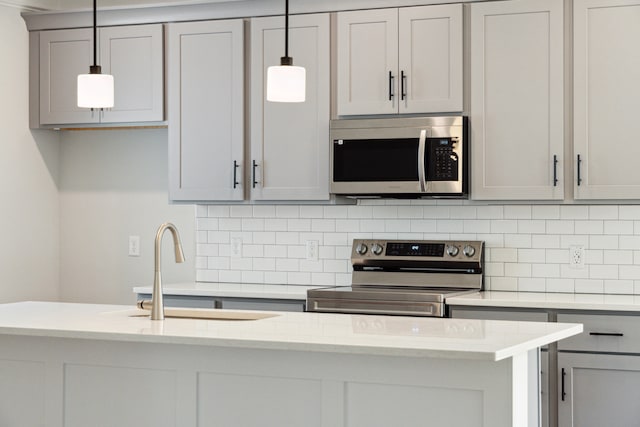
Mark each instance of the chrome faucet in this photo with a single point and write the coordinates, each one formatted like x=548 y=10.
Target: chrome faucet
x=157 y=303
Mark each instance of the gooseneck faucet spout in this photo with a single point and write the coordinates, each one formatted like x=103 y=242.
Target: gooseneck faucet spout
x=157 y=303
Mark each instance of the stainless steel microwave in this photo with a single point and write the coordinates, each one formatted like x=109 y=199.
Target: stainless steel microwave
x=400 y=157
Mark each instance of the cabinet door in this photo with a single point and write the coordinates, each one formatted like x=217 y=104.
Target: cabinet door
x=290 y=141
x=606 y=99
x=430 y=59
x=517 y=100
x=367 y=56
x=599 y=390
x=205 y=98
x=63 y=55
x=134 y=56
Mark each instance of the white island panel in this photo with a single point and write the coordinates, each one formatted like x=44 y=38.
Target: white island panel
x=95 y=365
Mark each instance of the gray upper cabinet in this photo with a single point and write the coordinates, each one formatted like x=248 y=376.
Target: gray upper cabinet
x=206 y=110
x=132 y=54
x=606 y=99
x=517 y=102
x=290 y=141
x=406 y=60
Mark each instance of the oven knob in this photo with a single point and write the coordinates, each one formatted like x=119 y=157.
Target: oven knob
x=376 y=249
x=452 y=250
x=469 y=251
x=361 y=249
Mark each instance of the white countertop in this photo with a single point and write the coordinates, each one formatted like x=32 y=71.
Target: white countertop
x=322 y=332
x=231 y=290
x=549 y=301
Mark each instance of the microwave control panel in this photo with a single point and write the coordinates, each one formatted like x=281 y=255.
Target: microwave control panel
x=442 y=159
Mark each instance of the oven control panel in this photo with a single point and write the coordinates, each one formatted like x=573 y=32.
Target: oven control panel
x=443 y=250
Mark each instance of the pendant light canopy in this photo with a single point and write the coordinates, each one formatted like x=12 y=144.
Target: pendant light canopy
x=286 y=82
x=95 y=90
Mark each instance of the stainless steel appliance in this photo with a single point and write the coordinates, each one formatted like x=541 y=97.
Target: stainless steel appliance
x=402 y=277
x=400 y=157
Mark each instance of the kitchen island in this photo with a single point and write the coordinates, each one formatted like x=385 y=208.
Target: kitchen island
x=103 y=365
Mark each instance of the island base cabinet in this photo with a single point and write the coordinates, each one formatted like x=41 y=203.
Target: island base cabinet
x=85 y=382
x=598 y=390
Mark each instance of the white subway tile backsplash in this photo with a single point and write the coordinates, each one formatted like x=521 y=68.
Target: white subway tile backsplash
x=629 y=212
x=218 y=211
x=527 y=246
x=502 y=254
x=422 y=226
x=449 y=226
x=476 y=226
x=618 y=286
x=545 y=270
x=603 y=242
x=490 y=212
x=504 y=284
x=545 y=212
x=603 y=212
x=518 y=212
x=618 y=257
x=545 y=241
x=589 y=286
x=517 y=270
x=264 y=211
x=574 y=212
x=531 y=255
x=630 y=242
x=504 y=226
x=532 y=226
x=230 y=224
x=589 y=227
x=531 y=284
x=311 y=212
x=515 y=240
x=603 y=271
x=618 y=227
x=560 y=285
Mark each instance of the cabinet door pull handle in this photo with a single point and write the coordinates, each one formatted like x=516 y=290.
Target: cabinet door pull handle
x=235 y=173
x=253 y=173
x=606 y=334
x=555 y=170
x=391 y=94
x=563 y=393
x=403 y=85
x=579 y=162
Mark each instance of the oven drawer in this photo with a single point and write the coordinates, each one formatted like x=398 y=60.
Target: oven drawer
x=359 y=306
x=603 y=333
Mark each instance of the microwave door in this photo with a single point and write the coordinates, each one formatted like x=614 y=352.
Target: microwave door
x=376 y=165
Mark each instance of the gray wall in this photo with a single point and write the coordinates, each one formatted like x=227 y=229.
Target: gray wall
x=28 y=178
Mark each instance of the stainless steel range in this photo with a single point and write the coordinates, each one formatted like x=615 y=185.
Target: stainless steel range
x=403 y=277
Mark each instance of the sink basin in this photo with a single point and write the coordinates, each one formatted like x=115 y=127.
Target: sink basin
x=207 y=314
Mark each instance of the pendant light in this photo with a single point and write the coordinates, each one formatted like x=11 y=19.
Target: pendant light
x=95 y=90
x=286 y=83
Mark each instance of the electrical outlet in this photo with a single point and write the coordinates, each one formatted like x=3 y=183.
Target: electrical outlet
x=236 y=247
x=576 y=256
x=312 y=250
x=134 y=245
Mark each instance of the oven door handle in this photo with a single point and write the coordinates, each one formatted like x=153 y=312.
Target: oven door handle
x=422 y=159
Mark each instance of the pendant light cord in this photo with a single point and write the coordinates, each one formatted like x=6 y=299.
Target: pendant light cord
x=286 y=28
x=95 y=34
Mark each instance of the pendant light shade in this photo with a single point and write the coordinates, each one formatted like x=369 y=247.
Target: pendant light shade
x=286 y=83
x=95 y=90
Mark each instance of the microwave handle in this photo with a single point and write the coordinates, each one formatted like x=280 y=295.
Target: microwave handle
x=422 y=160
